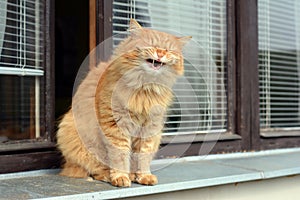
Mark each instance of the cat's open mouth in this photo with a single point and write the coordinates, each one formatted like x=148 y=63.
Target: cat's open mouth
x=155 y=64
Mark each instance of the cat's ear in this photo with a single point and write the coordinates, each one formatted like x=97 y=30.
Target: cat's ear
x=183 y=40
x=134 y=25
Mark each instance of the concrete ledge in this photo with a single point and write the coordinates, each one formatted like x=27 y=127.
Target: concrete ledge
x=174 y=175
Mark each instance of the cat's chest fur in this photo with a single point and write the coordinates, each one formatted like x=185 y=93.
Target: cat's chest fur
x=149 y=99
x=147 y=107
x=139 y=92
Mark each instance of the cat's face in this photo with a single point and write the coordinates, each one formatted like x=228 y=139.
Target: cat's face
x=158 y=59
x=153 y=51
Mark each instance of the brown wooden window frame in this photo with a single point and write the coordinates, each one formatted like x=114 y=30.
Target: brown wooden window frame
x=243 y=92
x=243 y=84
x=22 y=155
x=248 y=121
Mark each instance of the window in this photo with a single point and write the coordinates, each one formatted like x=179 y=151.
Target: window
x=240 y=91
x=247 y=87
x=279 y=65
x=26 y=86
x=200 y=105
x=21 y=69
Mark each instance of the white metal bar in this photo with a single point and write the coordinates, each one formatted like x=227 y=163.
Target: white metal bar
x=20 y=71
x=220 y=130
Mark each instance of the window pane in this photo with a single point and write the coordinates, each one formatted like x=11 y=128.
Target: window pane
x=202 y=107
x=21 y=69
x=18 y=108
x=279 y=62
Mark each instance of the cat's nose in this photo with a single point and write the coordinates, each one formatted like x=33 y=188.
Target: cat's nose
x=160 y=54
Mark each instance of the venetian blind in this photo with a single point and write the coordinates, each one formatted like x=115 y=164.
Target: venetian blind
x=21 y=52
x=200 y=105
x=21 y=69
x=279 y=63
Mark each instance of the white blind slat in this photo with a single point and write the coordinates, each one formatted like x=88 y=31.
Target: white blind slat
x=20 y=71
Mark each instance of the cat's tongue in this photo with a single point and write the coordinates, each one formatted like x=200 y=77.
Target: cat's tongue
x=156 y=66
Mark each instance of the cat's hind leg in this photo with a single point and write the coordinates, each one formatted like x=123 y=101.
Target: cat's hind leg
x=96 y=170
x=73 y=170
x=99 y=171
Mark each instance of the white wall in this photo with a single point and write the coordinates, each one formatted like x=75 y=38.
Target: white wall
x=286 y=188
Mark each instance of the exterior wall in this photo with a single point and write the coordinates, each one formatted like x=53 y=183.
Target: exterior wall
x=287 y=188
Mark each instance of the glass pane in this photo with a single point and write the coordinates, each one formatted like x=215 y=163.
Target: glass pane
x=21 y=69
x=21 y=37
x=21 y=111
x=279 y=62
x=201 y=108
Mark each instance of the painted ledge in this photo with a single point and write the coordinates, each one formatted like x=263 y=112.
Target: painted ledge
x=174 y=175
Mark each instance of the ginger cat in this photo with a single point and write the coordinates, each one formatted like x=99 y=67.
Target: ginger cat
x=131 y=94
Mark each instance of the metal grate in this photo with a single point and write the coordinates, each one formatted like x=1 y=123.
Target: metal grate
x=279 y=63
x=201 y=103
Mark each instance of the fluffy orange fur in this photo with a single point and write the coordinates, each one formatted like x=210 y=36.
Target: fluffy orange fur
x=132 y=93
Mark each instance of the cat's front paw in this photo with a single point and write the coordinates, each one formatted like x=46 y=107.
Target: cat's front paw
x=146 y=179
x=121 y=181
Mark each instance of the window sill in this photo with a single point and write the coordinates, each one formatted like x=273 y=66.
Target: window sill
x=174 y=175
x=194 y=137
x=25 y=145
